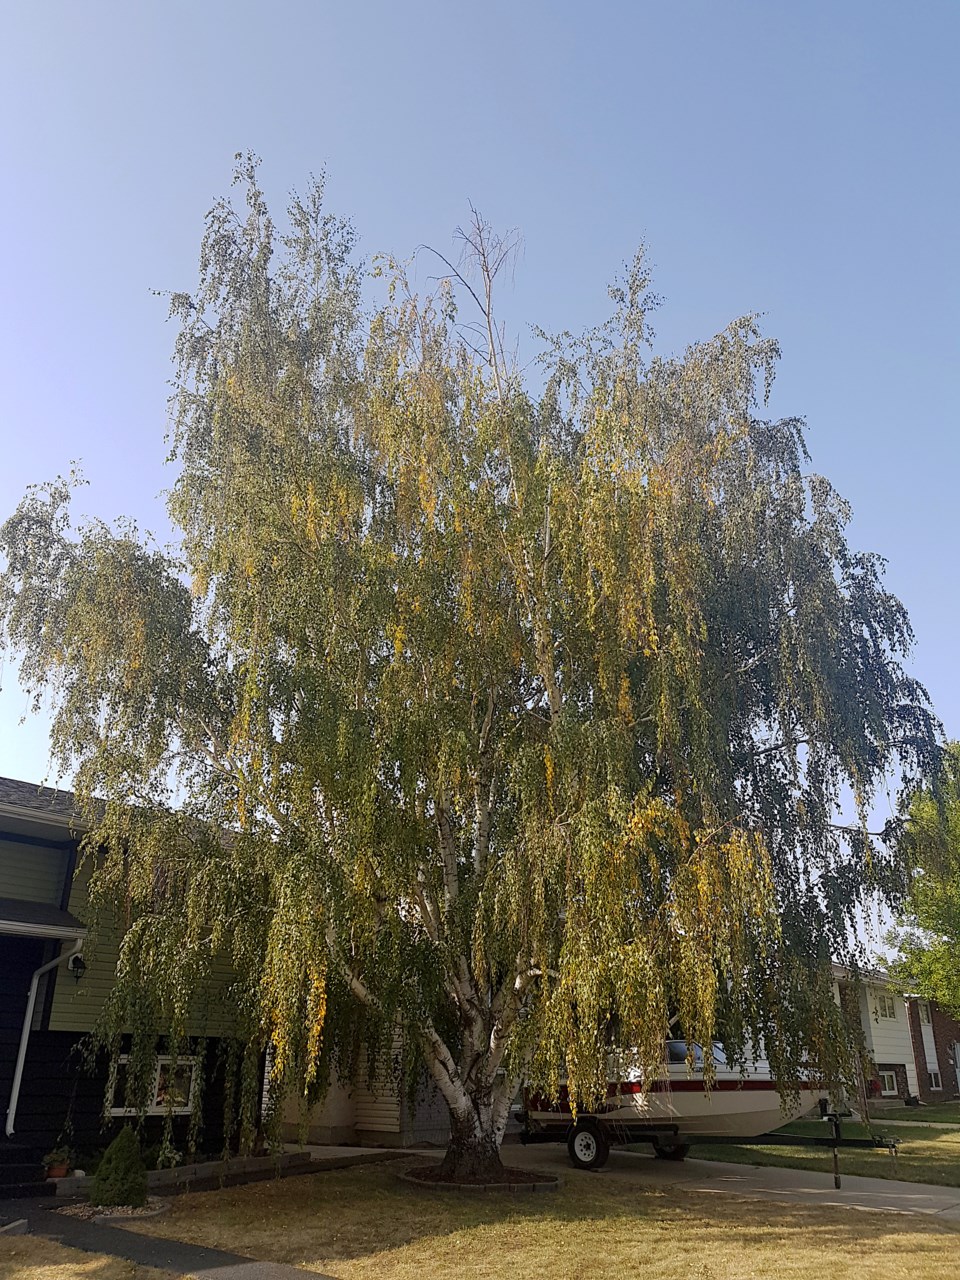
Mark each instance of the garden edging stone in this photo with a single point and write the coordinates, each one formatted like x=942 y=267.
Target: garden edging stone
x=210 y=1171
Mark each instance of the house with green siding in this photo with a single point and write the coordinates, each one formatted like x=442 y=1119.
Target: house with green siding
x=53 y=985
x=54 y=980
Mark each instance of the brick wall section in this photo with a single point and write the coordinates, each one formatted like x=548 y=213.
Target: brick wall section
x=946 y=1033
x=903 y=1088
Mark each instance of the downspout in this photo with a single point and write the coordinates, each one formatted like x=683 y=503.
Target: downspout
x=25 y=1033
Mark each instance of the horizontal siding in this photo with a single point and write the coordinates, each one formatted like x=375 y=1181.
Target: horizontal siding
x=377 y=1108
x=58 y=1092
x=76 y=1006
x=31 y=873
x=889 y=1039
x=373 y=1121
x=211 y=1016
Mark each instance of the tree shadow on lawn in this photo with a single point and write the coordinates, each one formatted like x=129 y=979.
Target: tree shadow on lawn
x=365 y=1213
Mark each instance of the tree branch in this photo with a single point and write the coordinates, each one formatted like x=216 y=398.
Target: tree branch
x=448 y=852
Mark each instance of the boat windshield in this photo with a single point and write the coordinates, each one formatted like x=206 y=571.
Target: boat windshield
x=677 y=1051
x=677 y=1054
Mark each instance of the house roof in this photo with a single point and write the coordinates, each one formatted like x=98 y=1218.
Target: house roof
x=50 y=803
x=874 y=977
x=37 y=920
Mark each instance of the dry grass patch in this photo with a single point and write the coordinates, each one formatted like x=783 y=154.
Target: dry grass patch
x=365 y=1224
x=33 y=1258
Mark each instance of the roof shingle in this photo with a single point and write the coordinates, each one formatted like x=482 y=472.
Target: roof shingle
x=38 y=799
x=41 y=914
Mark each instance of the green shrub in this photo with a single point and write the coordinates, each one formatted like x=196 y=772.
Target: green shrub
x=121 y=1177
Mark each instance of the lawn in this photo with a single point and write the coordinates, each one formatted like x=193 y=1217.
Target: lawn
x=925 y=1155
x=33 y=1258
x=365 y=1224
x=945 y=1112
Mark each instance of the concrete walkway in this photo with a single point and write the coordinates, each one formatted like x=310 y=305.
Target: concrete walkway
x=149 y=1251
x=799 y=1186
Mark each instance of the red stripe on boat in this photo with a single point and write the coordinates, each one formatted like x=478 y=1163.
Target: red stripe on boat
x=538 y=1103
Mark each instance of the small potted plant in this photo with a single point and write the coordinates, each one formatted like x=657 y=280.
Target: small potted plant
x=58 y=1162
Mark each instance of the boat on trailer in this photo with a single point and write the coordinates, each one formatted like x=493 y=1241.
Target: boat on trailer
x=669 y=1111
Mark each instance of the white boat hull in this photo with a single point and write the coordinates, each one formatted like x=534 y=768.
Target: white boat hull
x=733 y=1107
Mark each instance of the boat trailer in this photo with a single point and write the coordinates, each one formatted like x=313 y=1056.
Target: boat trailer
x=589 y=1140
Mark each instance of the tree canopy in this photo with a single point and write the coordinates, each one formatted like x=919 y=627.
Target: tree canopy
x=928 y=937
x=511 y=708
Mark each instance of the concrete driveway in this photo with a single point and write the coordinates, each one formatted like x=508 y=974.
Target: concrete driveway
x=792 y=1186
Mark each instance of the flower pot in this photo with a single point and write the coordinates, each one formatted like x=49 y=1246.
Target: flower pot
x=58 y=1170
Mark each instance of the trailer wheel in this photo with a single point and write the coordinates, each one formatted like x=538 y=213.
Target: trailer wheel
x=673 y=1151
x=587 y=1145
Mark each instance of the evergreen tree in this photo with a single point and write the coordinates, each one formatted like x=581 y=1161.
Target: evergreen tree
x=121 y=1178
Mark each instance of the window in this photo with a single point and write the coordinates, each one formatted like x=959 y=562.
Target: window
x=677 y=1054
x=923 y=1009
x=172 y=1089
x=886 y=1005
x=719 y=1054
x=935 y=1081
x=888 y=1084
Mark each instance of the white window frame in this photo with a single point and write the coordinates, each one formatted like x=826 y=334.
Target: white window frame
x=935 y=1076
x=888 y=1077
x=923 y=1009
x=886 y=1006
x=160 y=1108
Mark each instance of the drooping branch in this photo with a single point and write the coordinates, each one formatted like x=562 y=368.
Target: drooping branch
x=484 y=788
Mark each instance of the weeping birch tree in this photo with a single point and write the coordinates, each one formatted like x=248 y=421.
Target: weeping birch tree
x=512 y=710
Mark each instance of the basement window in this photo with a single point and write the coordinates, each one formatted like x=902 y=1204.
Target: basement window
x=172 y=1089
x=888 y=1084
x=935 y=1081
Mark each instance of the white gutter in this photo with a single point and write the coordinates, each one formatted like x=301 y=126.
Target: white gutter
x=25 y=1033
x=41 y=815
x=23 y=929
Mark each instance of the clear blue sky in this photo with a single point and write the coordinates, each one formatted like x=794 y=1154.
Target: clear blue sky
x=794 y=159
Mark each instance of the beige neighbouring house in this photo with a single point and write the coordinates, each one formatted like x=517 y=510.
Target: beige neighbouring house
x=381 y=1116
